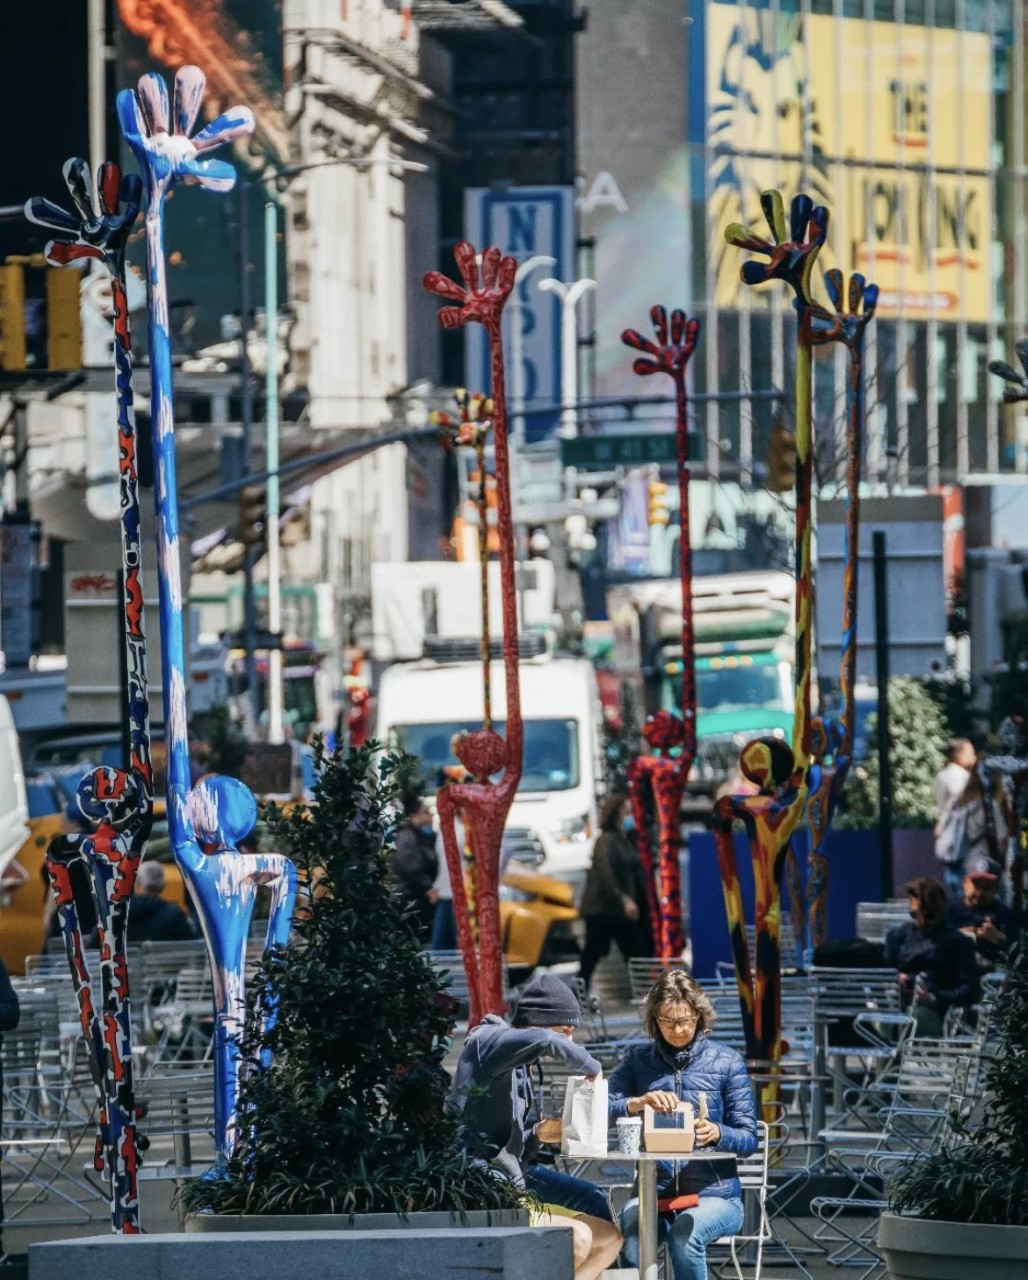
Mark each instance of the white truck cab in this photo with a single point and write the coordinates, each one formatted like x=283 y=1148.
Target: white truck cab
x=552 y=823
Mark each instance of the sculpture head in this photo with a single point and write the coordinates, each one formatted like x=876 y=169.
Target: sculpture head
x=110 y=797
x=481 y=751
x=222 y=811
x=664 y=730
x=767 y=763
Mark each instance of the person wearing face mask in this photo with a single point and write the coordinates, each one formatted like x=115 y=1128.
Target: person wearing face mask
x=936 y=963
x=610 y=903
x=698 y=1202
x=414 y=863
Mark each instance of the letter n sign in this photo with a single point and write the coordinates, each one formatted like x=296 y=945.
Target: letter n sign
x=525 y=222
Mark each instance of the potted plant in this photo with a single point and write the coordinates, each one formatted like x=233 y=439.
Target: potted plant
x=342 y=1103
x=963 y=1210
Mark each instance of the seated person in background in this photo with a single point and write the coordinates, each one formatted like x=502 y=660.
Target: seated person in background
x=151 y=918
x=980 y=915
x=492 y=1091
x=936 y=963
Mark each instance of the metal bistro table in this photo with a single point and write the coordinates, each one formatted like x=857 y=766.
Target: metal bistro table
x=647 y=1168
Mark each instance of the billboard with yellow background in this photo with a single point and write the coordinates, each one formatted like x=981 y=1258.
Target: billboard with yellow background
x=888 y=125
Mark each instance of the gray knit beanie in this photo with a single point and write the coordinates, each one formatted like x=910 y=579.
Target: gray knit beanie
x=547 y=1001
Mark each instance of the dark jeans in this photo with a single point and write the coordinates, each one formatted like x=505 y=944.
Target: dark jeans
x=567 y=1191
x=600 y=932
x=444 y=927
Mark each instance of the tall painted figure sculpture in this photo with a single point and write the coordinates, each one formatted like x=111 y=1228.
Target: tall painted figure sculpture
x=205 y=823
x=480 y=299
x=664 y=775
x=832 y=740
x=471 y=430
x=118 y=803
x=779 y=772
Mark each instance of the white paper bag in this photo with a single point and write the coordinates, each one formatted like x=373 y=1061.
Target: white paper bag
x=585 y=1117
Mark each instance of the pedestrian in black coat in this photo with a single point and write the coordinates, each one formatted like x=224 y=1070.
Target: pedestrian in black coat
x=414 y=863
x=610 y=902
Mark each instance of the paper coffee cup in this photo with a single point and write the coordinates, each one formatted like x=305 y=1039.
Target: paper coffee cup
x=629 y=1135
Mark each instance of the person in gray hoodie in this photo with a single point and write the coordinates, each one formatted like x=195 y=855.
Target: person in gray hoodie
x=492 y=1091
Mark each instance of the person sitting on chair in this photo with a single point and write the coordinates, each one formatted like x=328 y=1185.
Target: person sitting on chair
x=699 y=1203
x=492 y=1091
x=936 y=963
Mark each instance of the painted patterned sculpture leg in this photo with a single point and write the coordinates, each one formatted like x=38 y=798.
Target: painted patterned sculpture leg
x=221 y=881
x=638 y=788
x=122 y=803
x=485 y=806
x=854 y=311
x=792 y=877
x=466 y=938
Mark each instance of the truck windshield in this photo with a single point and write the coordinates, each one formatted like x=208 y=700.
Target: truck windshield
x=731 y=688
x=551 y=750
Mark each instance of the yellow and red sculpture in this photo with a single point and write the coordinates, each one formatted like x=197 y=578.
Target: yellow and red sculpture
x=779 y=771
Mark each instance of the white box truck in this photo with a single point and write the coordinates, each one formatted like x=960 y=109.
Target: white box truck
x=552 y=823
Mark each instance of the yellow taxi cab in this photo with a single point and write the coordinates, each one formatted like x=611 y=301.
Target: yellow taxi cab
x=24 y=898
x=537 y=914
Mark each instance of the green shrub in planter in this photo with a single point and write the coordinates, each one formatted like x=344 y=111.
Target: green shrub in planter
x=349 y=1116
x=983 y=1176
x=918 y=734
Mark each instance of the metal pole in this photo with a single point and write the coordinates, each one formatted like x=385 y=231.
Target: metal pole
x=275 y=732
x=881 y=580
x=569 y=365
x=97 y=76
x=249 y=601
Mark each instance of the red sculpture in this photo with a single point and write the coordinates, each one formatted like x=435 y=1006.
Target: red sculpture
x=484 y=804
x=663 y=774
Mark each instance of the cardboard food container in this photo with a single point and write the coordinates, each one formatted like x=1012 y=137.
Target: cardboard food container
x=677 y=1140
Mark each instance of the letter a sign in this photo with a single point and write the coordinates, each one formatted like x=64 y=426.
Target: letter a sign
x=525 y=222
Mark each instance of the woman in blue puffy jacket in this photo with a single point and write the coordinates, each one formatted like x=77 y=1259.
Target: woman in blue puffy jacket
x=681 y=1063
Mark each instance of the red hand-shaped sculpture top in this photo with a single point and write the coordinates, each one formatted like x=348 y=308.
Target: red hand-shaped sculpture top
x=483 y=803
x=666 y=776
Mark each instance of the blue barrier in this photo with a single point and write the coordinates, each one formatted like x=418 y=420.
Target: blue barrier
x=854 y=872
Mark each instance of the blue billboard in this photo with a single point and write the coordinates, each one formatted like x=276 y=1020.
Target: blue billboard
x=526 y=222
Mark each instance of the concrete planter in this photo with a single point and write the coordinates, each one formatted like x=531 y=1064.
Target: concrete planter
x=919 y=1249
x=473 y=1220
x=413 y=1252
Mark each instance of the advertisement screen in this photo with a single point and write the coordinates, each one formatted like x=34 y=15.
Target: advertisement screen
x=888 y=125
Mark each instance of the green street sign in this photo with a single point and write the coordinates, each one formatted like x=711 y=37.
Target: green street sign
x=600 y=453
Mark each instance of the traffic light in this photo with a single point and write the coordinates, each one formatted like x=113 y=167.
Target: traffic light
x=781 y=460
x=63 y=319
x=657 y=508
x=12 y=316
x=53 y=301
x=252 y=515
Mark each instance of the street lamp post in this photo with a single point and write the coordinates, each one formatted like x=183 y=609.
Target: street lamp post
x=275 y=728
x=570 y=295
x=516 y=307
x=281 y=179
